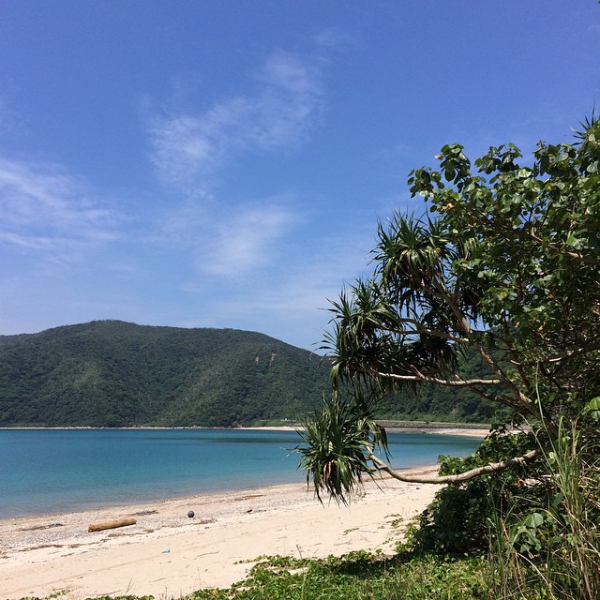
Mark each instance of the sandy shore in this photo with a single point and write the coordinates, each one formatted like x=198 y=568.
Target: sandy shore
x=166 y=554
x=475 y=431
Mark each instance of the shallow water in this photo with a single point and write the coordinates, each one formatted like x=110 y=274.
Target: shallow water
x=51 y=471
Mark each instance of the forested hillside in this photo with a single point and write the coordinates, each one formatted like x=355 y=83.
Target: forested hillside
x=115 y=374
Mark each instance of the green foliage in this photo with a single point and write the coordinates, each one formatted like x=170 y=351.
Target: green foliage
x=495 y=292
x=592 y=408
x=115 y=374
x=532 y=261
x=540 y=535
x=457 y=521
x=357 y=576
x=443 y=404
x=338 y=442
x=128 y=597
x=554 y=545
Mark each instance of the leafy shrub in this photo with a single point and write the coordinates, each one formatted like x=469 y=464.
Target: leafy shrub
x=457 y=521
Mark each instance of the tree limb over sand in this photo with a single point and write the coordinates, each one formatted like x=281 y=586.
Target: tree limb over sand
x=460 y=477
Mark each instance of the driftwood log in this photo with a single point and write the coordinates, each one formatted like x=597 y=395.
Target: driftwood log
x=112 y=524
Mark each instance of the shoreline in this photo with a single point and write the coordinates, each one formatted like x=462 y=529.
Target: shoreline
x=102 y=503
x=477 y=431
x=167 y=554
x=413 y=427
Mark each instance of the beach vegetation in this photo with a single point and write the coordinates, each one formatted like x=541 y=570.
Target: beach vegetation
x=503 y=268
x=357 y=576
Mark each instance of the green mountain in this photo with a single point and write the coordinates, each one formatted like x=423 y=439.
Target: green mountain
x=115 y=374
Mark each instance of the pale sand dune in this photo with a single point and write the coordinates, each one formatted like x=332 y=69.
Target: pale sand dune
x=166 y=554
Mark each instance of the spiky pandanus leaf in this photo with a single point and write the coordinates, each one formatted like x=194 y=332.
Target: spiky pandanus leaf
x=338 y=442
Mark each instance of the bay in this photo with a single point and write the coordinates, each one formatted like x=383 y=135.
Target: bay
x=51 y=471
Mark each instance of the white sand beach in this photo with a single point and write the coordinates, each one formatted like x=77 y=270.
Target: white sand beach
x=166 y=554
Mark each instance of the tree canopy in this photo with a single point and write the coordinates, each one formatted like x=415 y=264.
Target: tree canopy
x=115 y=374
x=505 y=263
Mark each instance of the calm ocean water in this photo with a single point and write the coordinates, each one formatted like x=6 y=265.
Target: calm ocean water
x=53 y=471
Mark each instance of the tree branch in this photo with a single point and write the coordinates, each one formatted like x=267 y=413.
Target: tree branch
x=565 y=355
x=419 y=377
x=560 y=250
x=459 y=478
x=523 y=401
x=420 y=329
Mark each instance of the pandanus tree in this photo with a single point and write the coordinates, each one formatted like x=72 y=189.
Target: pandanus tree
x=505 y=264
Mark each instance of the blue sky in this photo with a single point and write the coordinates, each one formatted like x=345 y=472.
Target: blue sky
x=206 y=163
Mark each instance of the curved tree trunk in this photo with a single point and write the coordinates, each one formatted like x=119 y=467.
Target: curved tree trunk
x=459 y=478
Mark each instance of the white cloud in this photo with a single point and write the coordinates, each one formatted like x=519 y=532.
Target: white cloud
x=293 y=294
x=249 y=248
x=246 y=240
x=42 y=208
x=189 y=149
x=288 y=103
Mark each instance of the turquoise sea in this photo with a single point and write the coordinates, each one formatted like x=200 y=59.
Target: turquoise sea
x=51 y=471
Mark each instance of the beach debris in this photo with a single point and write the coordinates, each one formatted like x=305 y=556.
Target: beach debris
x=191 y=514
x=166 y=550
x=112 y=524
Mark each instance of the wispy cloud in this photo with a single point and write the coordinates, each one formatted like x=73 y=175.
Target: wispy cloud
x=246 y=241
x=44 y=208
x=191 y=151
x=252 y=248
x=293 y=294
x=188 y=149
